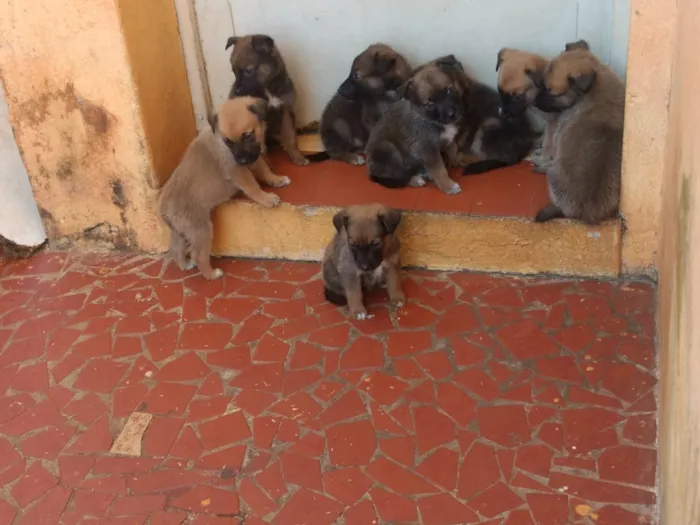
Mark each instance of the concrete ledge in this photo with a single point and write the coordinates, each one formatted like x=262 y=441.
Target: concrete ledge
x=438 y=241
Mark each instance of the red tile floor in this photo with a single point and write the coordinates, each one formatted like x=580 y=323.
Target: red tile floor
x=515 y=191
x=503 y=401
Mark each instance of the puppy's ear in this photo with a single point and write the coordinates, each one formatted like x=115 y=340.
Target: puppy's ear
x=259 y=108
x=340 y=220
x=579 y=44
x=501 y=58
x=383 y=62
x=390 y=220
x=582 y=82
x=213 y=119
x=263 y=44
x=536 y=75
x=232 y=41
x=447 y=61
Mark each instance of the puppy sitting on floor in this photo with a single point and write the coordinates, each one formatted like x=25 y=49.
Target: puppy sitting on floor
x=407 y=144
x=261 y=72
x=363 y=254
x=361 y=100
x=519 y=76
x=589 y=100
x=220 y=162
x=492 y=138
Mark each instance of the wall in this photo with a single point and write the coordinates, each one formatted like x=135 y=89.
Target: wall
x=646 y=122
x=319 y=38
x=19 y=216
x=679 y=280
x=97 y=132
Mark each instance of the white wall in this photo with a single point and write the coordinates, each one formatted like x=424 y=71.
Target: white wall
x=19 y=216
x=319 y=38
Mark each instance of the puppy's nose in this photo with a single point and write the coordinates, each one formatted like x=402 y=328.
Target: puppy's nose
x=451 y=112
x=239 y=92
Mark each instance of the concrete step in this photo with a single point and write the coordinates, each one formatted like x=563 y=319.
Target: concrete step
x=487 y=227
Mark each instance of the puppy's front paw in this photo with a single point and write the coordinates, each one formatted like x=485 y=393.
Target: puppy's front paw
x=417 y=181
x=218 y=273
x=300 y=160
x=453 y=189
x=398 y=301
x=281 y=182
x=358 y=160
x=361 y=315
x=270 y=200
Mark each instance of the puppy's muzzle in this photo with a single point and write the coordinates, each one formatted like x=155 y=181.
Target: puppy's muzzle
x=246 y=155
x=545 y=102
x=512 y=105
x=349 y=89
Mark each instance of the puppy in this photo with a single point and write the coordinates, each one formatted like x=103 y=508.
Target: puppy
x=589 y=100
x=220 y=162
x=261 y=72
x=360 y=101
x=519 y=76
x=364 y=253
x=406 y=145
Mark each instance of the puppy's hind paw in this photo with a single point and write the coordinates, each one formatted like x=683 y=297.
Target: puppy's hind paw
x=417 y=181
x=358 y=160
x=362 y=316
x=217 y=273
x=548 y=213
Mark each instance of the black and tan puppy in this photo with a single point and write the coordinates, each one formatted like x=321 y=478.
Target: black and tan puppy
x=406 y=145
x=519 y=76
x=589 y=100
x=221 y=162
x=361 y=100
x=261 y=72
x=363 y=254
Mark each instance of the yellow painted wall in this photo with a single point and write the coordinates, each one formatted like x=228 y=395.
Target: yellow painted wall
x=649 y=65
x=97 y=132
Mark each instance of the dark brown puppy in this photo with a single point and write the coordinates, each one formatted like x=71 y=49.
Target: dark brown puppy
x=261 y=72
x=519 y=76
x=361 y=100
x=222 y=161
x=363 y=254
x=589 y=101
x=406 y=145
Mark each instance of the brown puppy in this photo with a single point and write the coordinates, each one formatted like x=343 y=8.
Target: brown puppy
x=519 y=76
x=220 y=162
x=589 y=99
x=261 y=72
x=361 y=100
x=406 y=145
x=364 y=253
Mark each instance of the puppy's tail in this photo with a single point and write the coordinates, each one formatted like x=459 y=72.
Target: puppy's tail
x=386 y=166
x=334 y=297
x=483 y=166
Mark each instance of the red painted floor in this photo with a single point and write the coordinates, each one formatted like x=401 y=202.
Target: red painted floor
x=486 y=400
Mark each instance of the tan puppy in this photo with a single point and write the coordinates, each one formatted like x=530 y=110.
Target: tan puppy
x=219 y=163
x=519 y=76
x=589 y=99
x=261 y=72
x=363 y=254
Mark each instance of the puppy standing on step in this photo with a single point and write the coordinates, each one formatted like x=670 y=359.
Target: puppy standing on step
x=360 y=101
x=406 y=145
x=220 y=162
x=519 y=76
x=589 y=99
x=363 y=254
x=261 y=72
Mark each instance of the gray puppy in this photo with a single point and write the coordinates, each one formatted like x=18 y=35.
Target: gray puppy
x=364 y=253
x=406 y=145
x=589 y=99
x=360 y=101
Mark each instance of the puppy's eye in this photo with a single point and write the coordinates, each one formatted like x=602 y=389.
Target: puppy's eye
x=448 y=91
x=249 y=70
x=355 y=74
x=430 y=103
x=228 y=142
x=376 y=244
x=247 y=135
